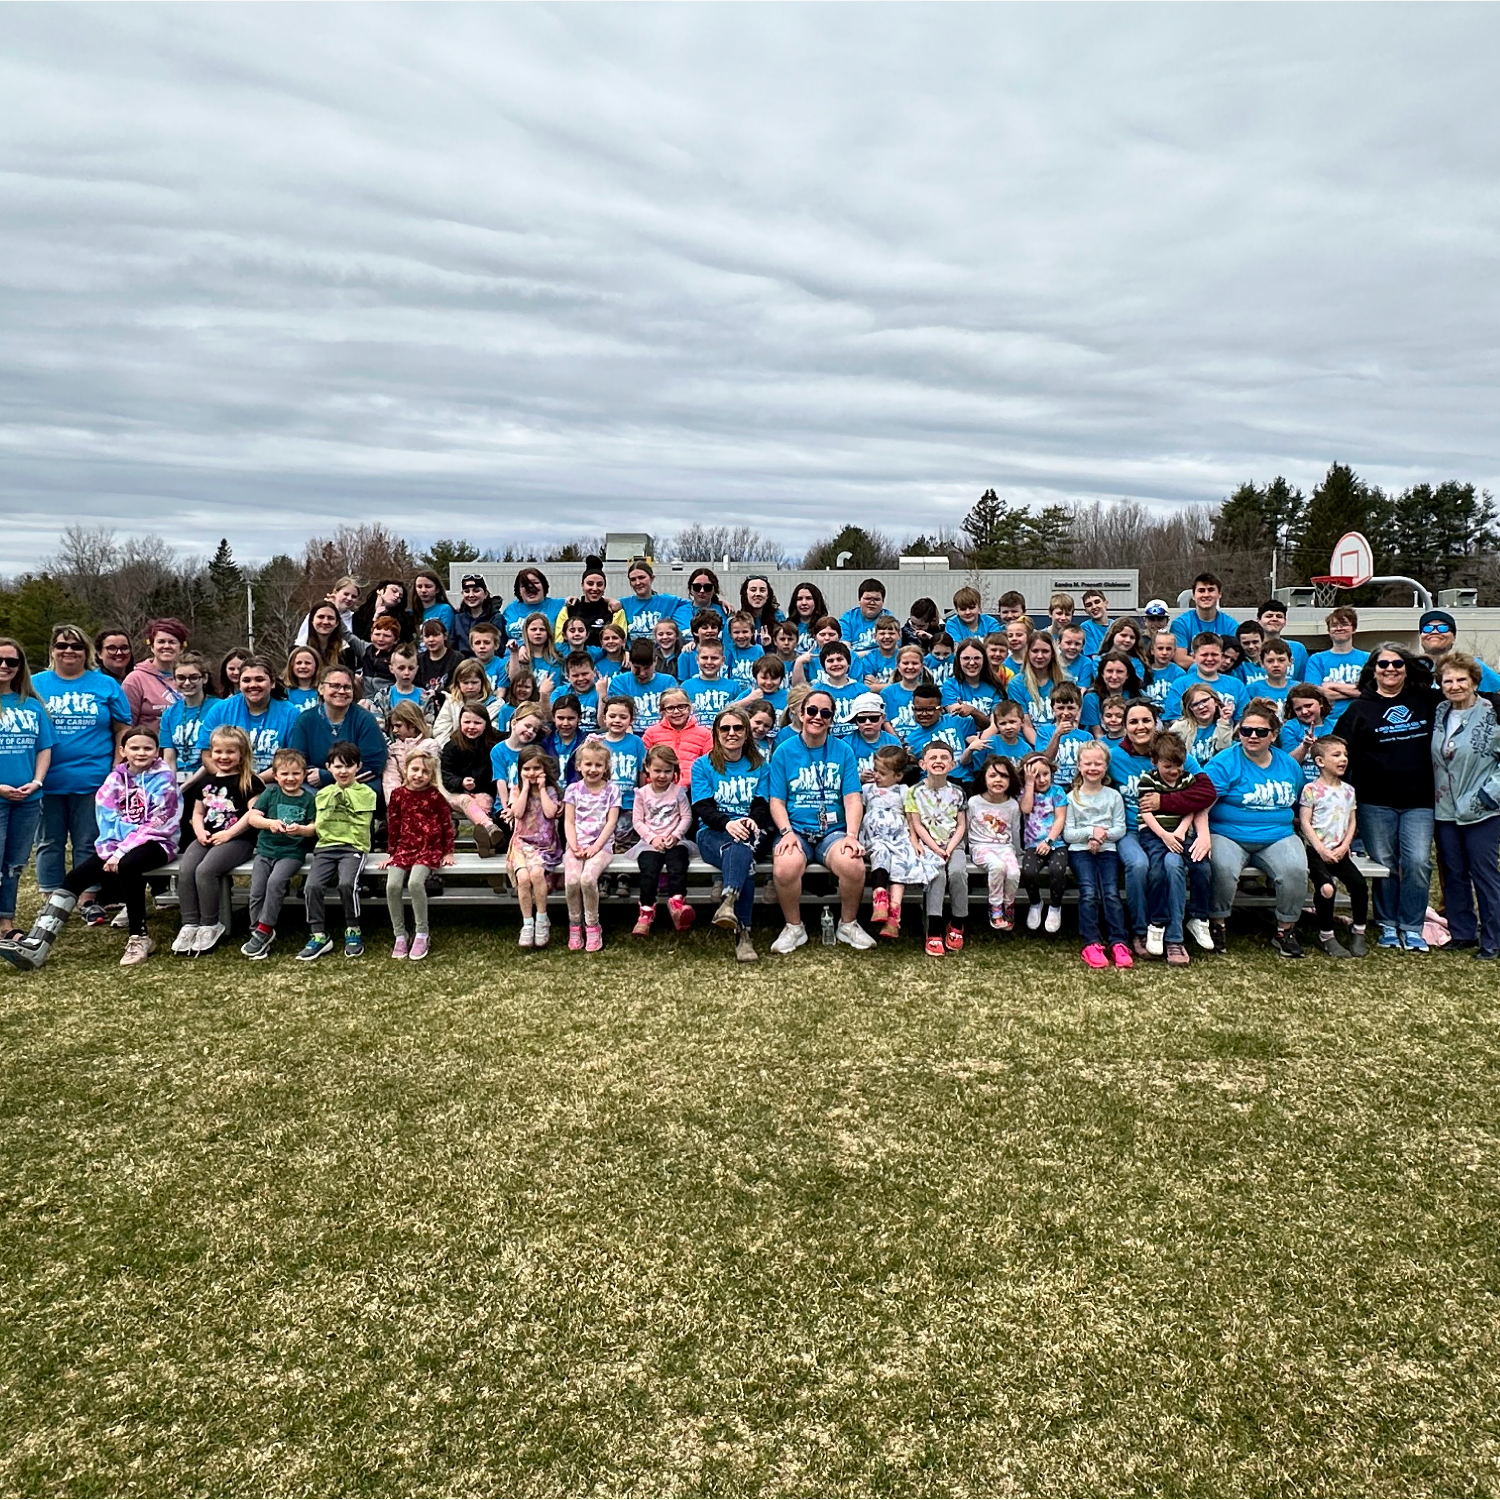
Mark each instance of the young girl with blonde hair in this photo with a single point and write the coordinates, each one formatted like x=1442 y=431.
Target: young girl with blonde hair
x=535 y=852
x=591 y=809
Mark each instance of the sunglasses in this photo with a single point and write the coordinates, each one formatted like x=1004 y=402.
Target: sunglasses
x=1396 y=665
x=731 y=728
x=13 y=662
x=67 y=645
x=1438 y=629
x=701 y=588
x=1251 y=732
x=868 y=718
x=817 y=713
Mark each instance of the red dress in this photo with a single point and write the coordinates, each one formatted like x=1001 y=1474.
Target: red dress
x=419 y=828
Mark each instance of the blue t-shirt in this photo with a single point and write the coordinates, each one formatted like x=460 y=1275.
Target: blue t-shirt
x=897 y=700
x=858 y=630
x=1065 y=767
x=1256 y=806
x=563 y=753
x=1163 y=679
x=625 y=757
x=939 y=668
x=438 y=611
x=953 y=731
x=25 y=730
x=302 y=699
x=1336 y=666
x=1261 y=688
x=877 y=664
x=1188 y=625
x=740 y=664
x=1298 y=670
x=731 y=790
x=1294 y=732
x=1225 y=687
x=813 y=784
x=994 y=746
x=267 y=732
x=645 y=695
x=958 y=631
x=642 y=616
x=1080 y=671
x=1126 y=769
x=844 y=697
x=505 y=764
x=958 y=694
x=864 y=750
x=515 y=614
x=84 y=711
x=179 y=731
x=709 y=695
x=1039 y=711
x=1201 y=743
x=1094 y=632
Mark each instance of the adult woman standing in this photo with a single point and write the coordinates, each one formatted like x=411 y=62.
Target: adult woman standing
x=734 y=820
x=1466 y=781
x=646 y=609
x=593 y=606
x=86 y=707
x=531 y=597
x=804 y=609
x=757 y=598
x=150 y=687
x=1388 y=728
x=114 y=653
x=1254 y=821
x=26 y=738
x=703 y=593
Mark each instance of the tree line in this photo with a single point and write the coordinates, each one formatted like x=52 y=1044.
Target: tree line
x=1446 y=535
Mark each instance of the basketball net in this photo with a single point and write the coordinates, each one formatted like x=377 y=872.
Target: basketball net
x=1326 y=590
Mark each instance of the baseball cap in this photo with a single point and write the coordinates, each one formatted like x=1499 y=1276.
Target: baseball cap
x=869 y=703
x=1157 y=607
x=1438 y=617
x=472 y=580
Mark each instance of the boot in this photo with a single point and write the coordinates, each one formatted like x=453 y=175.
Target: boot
x=744 y=949
x=30 y=952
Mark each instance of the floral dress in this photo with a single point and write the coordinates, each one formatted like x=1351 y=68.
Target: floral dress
x=887 y=835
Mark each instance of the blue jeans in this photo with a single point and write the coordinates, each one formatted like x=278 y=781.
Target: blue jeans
x=1137 y=872
x=67 y=818
x=1400 y=838
x=1284 y=861
x=1171 y=877
x=737 y=861
x=1469 y=859
x=18 y=822
x=1098 y=877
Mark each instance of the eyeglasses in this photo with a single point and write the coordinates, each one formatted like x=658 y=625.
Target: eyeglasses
x=117 y=650
x=1437 y=629
x=817 y=713
x=1255 y=731
x=188 y=677
x=1391 y=665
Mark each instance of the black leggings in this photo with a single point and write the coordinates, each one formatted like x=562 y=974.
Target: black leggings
x=127 y=883
x=1321 y=874
x=653 y=861
x=1055 y=866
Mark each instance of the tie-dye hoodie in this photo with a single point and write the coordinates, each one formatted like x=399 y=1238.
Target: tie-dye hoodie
x=134 y=810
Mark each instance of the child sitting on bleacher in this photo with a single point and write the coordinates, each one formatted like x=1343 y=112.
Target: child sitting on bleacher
x=285 y=815
x=662 y=815
x=345 y=819
x=419 y=836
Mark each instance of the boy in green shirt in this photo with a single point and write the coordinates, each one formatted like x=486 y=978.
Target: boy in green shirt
x=284 y=814
x=345 y=817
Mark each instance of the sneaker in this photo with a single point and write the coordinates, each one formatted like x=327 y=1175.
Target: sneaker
x=880 y=906
x=575 y=937
x=891 y=927
x=1389 y=938
x=1138 y=946
x=1198 y=929
x=1285 y=944
x=1156 y=941
x=683 y=915
x=419 y=946
x=1414 y=942
x=997 y=917
x=1093 y=956
x=208 y=939
x=187 y=935
x=1123 y=957
x=1034 y=916
x=1054 y=919
x=644 y=921
x=593 y=939
x=790 y=938
x=258 y=944
x=527 y=938
x=1333 y=948
x=120 y=920
x=399 y=948
x=1487 y=953
x=744 y=949
x=138 y=948
x=934 y=947
x=1357 y=945
x=855 y=935
x=543 y=929
x=317 y=945
x=354 y=944
x=724 y=916
x=1177 y=954
x=954 y=940
x=1219 y=932
x=93 y=915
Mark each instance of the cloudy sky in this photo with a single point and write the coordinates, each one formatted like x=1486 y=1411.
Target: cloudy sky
x=527 y=272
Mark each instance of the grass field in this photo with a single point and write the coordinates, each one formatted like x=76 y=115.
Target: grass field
x=657 y=1223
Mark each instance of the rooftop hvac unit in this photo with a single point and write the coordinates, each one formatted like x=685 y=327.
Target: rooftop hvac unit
x=1298 y=597
x=621 y=546
x=1458 y=598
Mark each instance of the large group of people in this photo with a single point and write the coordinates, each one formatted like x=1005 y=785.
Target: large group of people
x=1146 y=758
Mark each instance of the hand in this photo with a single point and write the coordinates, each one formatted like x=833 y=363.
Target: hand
x=1173 y=841
x=1149 y=802
x=1044 y=847
x=112 y=864
x=1226 y=710
x=852 y=848
x=11 y=793
x=788 y=841
x=468 y=783
x=449 y=859
x=1202 y=848
x=206 y=839
x=381 y=864
x=1099 y=833
x=742 y=830
x=1093 y=846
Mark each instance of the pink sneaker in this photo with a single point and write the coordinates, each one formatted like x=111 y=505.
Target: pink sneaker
x=1094 y=957
x=399 y=951
x=1123 y=960
x=594 y=939
x=419 y=946
x=683 y=915
x=575 y=937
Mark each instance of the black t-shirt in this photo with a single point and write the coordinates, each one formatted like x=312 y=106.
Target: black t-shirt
x=1390 y=747
x=223 y=801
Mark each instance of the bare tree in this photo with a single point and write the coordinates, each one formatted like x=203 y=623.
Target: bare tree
x=711 y=543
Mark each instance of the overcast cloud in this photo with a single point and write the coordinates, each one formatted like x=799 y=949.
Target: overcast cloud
x=530 y=272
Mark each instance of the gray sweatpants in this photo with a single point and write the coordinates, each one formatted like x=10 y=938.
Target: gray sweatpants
x=415 y=883
x=199 y=874
x=339 y=865
x=953 y=882
x=269 y=881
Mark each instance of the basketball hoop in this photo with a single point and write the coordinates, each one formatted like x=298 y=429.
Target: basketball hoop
x=1326 y=589
x=1351 y=567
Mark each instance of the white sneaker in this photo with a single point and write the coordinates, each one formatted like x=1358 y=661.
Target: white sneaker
x=790 y=938
x=207 y=938
x=1198 y=930
x=528 y=934
x=1156 y=941
x=122 y=921
x=186 y=937
x=1054 y=919
x=855 y=935
x=1034 y=916
x=543 y=929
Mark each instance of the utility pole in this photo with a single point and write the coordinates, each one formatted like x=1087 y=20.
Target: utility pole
x=250 y=615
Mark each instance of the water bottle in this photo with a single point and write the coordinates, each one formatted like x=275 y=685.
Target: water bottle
x=830 y=930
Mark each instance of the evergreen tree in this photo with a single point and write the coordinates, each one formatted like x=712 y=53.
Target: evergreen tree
x=1046 y=538
x=1342 y=502
x=448 y=550
x=866 y=549
x=1438 y=533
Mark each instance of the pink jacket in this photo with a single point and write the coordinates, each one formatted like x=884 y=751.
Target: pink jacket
x=661 y=812
x=691 y=741
x=149 y=694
